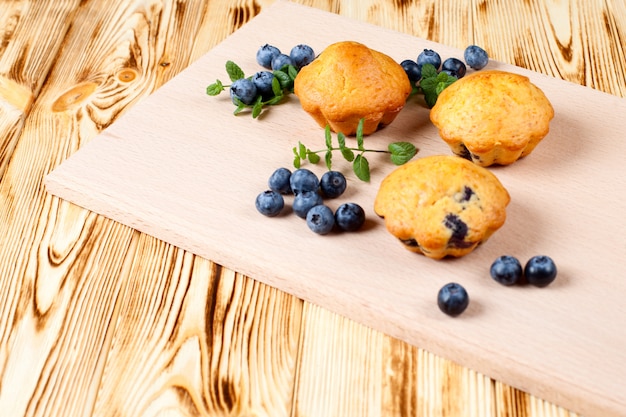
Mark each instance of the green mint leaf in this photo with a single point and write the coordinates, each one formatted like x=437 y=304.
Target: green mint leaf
x=341 y=140
x=328 y=158
x=296 y=161
x=234 y=71
x=215 y=88
x=292 y=71
x=257 y=108
x=431 y=98
x=401 y=152
x=240 y=106
x=359 y=135
x=313 y=157
x=302 y=150
x=428 y=71
x=328 y=137
x=347 y=153
x=276 y=88
x=361 y=168
x=283 y=78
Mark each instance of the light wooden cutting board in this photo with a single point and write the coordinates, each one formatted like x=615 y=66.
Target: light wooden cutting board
x=180 y=166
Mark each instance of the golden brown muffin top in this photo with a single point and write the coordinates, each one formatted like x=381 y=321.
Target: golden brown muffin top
x=434 y=200
x=349 y=80
x=492 y=108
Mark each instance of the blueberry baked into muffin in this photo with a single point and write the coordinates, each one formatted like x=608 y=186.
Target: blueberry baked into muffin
x=442 y=205
x=349 y=81
x=492 y=117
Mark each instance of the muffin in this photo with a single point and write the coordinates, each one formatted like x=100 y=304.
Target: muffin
x=441 y=205
x=349 y=81
x=492 y=117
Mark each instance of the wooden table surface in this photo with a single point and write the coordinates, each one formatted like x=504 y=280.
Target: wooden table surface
x=99 y=319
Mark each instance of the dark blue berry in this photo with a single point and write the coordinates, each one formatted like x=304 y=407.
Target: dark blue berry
x=349 y=217
x=304 y=201
x=428 y=56
x=243 y=90
x=454 y=67
x=269 y=203
x=475 y=57
x=506 y=270
x=320 y=219
x=263 y=82
x=279 y=181
x=412 y=70
x=281 y=61
x=540 y=270
x=452 y=299
x=303 y=180
x=302 y=55
x=333 y=184
x=266 y=54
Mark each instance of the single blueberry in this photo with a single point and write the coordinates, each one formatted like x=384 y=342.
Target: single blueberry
x=349 y=217
x=506 y=270
x=302 y=180
x=266 y=54
x=304 y=201
x=412 y=70
x=279 y=181
x=263 y=82
x=269 y=203
x=302 y=55
x=452 y=299
x=428 y=56
x=320 y=219
x=333 y=184
x=281 y=61
x=244 y=90
x=476 y=57
x=540 y=270
x=454 y=67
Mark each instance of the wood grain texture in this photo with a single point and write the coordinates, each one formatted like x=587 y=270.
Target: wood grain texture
x=68 y=309
x=179 y=194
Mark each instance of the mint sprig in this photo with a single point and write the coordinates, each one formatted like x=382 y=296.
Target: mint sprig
x=400 y=152
x=282 y=85
x=433 y=83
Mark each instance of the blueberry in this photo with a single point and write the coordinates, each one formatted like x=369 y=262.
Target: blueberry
x=452 y=299
x=333 y=184
x=266 y=54
x=540 y=270
x=304 y=201
x=506 y=270
x=303 y=180
x=428 y=56
x=279 y=181
x=412 y=70
x=349 y=217
x=459 y=231
x=269 y=203
x=475 y=57
x=281 y=61
x=454 y=67
x=320 y=219
x=263 y=82
x=302 y=55
x=243 y=90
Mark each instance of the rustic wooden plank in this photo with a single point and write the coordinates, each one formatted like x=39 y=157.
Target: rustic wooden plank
x=31 y=34
x=68 y=229
x=390 y=307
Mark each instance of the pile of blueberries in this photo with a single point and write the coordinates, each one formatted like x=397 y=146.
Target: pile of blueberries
x=475 y=57
x=247 y=90
x=309 y=191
